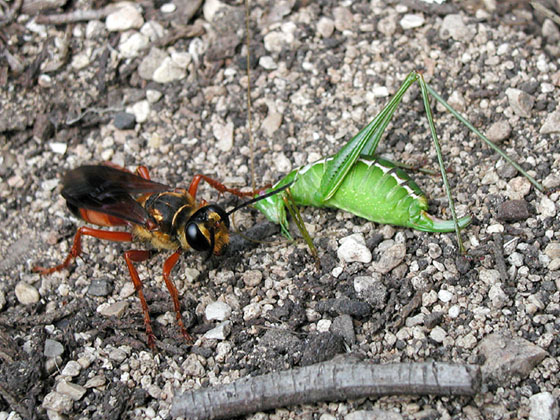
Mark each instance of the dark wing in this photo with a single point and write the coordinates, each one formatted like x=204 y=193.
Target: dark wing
x=109 y=190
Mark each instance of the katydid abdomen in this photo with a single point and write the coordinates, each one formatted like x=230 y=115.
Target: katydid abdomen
x=375 y=189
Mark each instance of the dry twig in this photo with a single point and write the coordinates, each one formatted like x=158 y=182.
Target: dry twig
x=75 y=16
x=326 y=382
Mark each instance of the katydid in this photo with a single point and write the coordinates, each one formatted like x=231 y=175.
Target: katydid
x=356 y=180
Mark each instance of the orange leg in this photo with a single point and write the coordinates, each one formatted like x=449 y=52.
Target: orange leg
x=216 y=185
x=167 y=267
x=143 y=172
x=77 y=246
x=139 y=256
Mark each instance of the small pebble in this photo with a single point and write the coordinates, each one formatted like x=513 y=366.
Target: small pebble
x=513 y=211
x=124 y=120
x=324 y=325
x=252 y=311
x=57 y=402
x=95 y=381
x=390 y=259
x=506 y=357
x=168 y=8
x=224 y=136
x=546 y=207
x=518 y=188
x=52 y=348
x=113 y=309
x=353 y=249
x=58 y=147
x=100 y=287
x=274 y=42
x=343 y=19
x=445 y=296
x=521 y=102
x=74 y=391
x=325 y=27
x=267 y=62
x=499 y=131
x=551 y=124
x=252 y=278
x=218 y=311
x=344 y=326
x=26 y=294
x=411 y=21
x=220 y=332
x=141 y=111
x=131 y=46
x=489 y=276
x=454 y=27
x=168 y=71
x=153 y=95
x=125 y=17
x=72 y=368
x=454 y=311
x=438 y=334
x=271 y=123
x=151 y=62
x=543 y=407
x=552 y=250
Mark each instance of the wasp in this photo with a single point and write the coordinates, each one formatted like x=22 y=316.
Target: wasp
x=167 y=218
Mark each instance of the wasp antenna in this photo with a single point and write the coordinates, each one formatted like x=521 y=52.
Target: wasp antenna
x=260 y=197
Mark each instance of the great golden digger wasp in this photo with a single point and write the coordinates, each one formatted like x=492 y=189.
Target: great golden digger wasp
x=168 y=218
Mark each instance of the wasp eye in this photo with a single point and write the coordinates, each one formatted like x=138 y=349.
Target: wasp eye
x=196 y=238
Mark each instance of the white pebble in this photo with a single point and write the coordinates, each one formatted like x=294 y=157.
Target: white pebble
x=353 y=249
x=543 y=406
x=168 y=71
x=224 y=135
x=218 y=311
x=125 y=17
x=252 y=311
x=168 y=8
x=26 y=294
x=72 y=368
x=438 y=334
x=324 y=325
x=411 y=21
x=220 y=332
x=454 y=311
x=141 y=111
x=445 y=296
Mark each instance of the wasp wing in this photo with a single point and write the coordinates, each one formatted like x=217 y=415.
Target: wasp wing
x=109 y=190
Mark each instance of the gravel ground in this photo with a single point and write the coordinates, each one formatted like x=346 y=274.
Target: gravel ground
x=143 y=86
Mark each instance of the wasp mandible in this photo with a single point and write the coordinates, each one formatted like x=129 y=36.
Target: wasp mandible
x=168 y=218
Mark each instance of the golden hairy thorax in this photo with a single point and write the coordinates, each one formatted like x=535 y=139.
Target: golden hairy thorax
x=171 y=210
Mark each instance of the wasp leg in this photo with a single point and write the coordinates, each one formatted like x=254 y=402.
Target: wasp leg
x=77 y=246
x=216 y=185
x=143 y=172
x=167 y=267
x=131 y=256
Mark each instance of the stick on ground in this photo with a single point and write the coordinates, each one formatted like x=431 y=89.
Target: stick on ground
x=328 y=381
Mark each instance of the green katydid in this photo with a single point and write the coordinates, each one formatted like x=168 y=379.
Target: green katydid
x=358 y=181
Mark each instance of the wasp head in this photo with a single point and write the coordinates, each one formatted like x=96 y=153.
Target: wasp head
x=208 y=229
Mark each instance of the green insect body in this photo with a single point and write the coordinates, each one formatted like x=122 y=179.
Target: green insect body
x=355 y=180
x=375 y=189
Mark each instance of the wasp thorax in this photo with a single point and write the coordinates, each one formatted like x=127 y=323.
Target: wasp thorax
x=207 y=229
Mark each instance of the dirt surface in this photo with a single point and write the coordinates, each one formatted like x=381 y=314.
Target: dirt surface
x=72 y=344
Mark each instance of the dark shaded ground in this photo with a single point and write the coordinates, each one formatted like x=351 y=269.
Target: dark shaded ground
x=312 y=88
